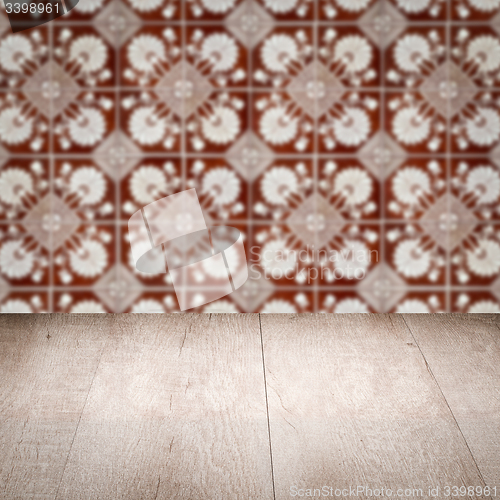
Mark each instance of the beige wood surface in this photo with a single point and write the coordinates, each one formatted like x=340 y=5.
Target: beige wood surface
x=463 y=353
x=177 y=410
x=47 y=364
x=245 y=406
x=351 y=403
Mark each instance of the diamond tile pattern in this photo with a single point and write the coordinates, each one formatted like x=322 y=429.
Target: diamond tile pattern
x=355 y=145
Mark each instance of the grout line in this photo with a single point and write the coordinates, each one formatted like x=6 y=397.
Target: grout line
x=267 y=407
x=429 y=369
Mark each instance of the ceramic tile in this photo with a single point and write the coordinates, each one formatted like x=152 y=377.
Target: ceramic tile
x=86 y=254
x=475 y=255
x=346 y=127
x=24 y=302
x=24 y=255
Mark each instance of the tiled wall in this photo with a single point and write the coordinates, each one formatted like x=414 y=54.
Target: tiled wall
x=363 y=127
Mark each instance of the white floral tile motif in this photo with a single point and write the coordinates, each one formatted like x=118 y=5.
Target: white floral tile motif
x=414 y=123
x=472 y=10
x=415 y=256
x=85 y=255
x=154 y=10
x=79 y=302
x=221 y=190
x=288 y=10
x=24 y=302
x=23 y=183
x=85 y=188
x=23 y=128
x=217 y=55
x=282 y=124
x=282 y=57
x=476 y=127
x=350 y=56
x=351 y=190
x=475 y=50
x=218 y=123
x=24 y=261
x=349 y=124
x=85 y=123
x=20 y=53
x=85 y=56
x=417 y=58
x=150 y=56
x=475 y=302
x=215 y=10
x=476 y=183
x=284 y=186
x=150 y=180
x=476 y=260
x=149 y=123
x=417 y=190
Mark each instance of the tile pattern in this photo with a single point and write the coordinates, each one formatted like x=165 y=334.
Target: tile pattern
x=355 y=144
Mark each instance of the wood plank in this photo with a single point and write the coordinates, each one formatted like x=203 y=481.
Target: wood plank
x=47 y=363
x=177 y=410
x=463 y=352
x=351 y=403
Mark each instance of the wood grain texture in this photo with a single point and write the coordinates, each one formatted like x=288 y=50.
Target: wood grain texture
x=46 y=367
x=463 y=352
x=351 y=403
x=177 y=410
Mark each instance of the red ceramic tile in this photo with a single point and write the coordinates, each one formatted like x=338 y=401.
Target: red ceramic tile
x=417 y=122
x=475 y=125
x=217 y=123
x=85 y=255
x=214 y=54
x=348 y=58
x=283 y=190
x=417 y=253
x=285 y=58
x=79 y=302
x=474 y=10
x=284 y=124
x=475 y=301
x=348 y=124
x=474 y=52
x=86 y=190
x=417 y=190
x=24 y=254
x=24 y=183
x=216 y=10
x=222 y=192
x=83 y=120
x=289 y=10
x=24 y=122
x=347 y=10
x=152 y=57
x=475 y=257
x=22 y=55
x=417 y=59
x=24 y=302
x=348 y=190
x=154 y=10
x=82 y=56
x=342 y=302
x=151 y=123
x=147 y=181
